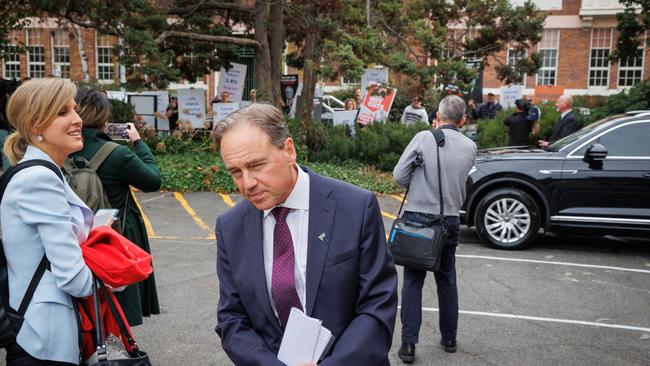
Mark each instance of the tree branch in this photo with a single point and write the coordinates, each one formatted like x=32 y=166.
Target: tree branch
x=207 y=38
x=185 y=10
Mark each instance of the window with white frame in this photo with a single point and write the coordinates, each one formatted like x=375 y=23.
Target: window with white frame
x=513 y=57
x=35 y=53
x=11 y=67
x=630 y=70
x=61 y=54
x=548 y=50
x=105 y=64
x=601 y=44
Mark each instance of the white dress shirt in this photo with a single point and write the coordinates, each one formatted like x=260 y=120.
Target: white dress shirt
x=563 y=114
x=298 y=222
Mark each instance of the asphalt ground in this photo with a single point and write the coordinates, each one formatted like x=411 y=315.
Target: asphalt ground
x=564 y=301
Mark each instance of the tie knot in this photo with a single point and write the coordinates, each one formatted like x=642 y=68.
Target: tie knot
x=280 y=213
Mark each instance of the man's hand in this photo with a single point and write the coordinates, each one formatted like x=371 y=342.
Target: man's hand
x=543 y=144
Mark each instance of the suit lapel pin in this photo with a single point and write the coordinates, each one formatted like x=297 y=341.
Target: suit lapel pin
x=322 y=237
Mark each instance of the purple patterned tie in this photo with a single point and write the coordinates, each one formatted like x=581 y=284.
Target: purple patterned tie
x=283 y=284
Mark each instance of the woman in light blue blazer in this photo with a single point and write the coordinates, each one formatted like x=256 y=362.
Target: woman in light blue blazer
x=40 y=215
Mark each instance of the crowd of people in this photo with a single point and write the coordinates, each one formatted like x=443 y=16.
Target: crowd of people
x=296 y=240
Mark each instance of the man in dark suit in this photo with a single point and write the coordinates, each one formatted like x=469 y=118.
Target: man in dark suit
x=297 y=240
x=567 y=123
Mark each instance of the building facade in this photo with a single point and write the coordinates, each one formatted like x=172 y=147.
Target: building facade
x=579 y=36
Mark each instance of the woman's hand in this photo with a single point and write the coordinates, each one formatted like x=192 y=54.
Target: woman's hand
x=132 y=132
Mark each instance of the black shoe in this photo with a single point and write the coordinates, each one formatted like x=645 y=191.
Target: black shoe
x=406 y=353
x=449 y=346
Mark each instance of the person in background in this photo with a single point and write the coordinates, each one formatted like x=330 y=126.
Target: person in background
x=567 y=123
x=519 y=126
x=414 y=113
x=223 y=98
x=253 y=96
x=487 y=110
x=45 y=216
x=358 y=97
x=350 y=105
x=122 y=169
x=457 y=157
x=297 y=239
x=172 y=113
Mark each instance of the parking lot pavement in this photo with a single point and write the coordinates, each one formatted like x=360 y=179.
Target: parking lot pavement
x=576 y=301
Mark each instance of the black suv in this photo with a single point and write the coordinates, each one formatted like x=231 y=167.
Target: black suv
x=593 y=182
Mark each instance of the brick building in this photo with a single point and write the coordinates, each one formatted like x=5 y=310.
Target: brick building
x=578 y=37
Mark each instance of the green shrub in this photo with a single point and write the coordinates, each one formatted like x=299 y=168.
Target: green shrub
x=121 y=112
x=635 y=98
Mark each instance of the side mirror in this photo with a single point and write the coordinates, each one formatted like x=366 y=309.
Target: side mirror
x=594 y=153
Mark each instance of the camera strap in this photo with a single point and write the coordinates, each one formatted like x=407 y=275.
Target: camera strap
x=439 y=136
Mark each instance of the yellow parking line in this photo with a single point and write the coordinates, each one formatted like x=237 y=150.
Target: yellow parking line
x=386 y=214
x=397 y=197
x=147 y=223
x=193 y=214
x=227 y=200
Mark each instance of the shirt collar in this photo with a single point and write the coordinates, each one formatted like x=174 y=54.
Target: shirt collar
x=299 y=197
x=34 y=152
x=565 y=113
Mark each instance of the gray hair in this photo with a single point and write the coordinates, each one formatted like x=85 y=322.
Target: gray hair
x=452 y=108
x=262 y=115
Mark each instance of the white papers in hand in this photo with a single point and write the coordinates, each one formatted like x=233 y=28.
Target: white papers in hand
x=304 y=339
x=105 y=217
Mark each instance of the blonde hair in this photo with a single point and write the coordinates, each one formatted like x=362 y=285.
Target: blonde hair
x=31 y=108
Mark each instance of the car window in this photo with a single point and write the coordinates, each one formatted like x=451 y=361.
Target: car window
x=578 y=135
x=629 y=140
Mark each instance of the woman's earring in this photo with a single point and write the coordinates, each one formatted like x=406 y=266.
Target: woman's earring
x=39 y=138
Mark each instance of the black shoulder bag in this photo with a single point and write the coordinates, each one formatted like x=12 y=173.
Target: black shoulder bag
x=138 y=357
x=10 y=320
x=415 y=245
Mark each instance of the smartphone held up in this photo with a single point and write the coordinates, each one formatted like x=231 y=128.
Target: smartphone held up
x=118 y=131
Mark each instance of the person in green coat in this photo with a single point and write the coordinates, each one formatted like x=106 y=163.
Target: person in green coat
x=122 y=169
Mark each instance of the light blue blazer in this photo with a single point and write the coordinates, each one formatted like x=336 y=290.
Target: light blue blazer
x=41 y=214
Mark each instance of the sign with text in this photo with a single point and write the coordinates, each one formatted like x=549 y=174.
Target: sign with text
x=370 y=76
x=547 y=93
x=191 y=107
x=509 y=94
x=222 y=110
x=289 y=88
x=232 y=81
x=376 y=104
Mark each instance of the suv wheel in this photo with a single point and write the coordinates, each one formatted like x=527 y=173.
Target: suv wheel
x=507 y=218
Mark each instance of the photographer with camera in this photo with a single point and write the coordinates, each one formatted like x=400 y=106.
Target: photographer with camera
x=121 y=169
x=522 y=123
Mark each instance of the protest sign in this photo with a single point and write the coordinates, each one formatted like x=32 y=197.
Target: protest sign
x=289 y=87
x=376 y=104
x=232 y=81
x=222 y=110
x=191 y=107
x=370 y=76
x=509 y=94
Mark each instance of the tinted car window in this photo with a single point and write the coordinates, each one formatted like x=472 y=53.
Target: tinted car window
x=629 y=140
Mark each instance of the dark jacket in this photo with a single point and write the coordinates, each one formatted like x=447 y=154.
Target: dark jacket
x=519 y=129
x=124 y=168
x=351 y=280
x=564 y=127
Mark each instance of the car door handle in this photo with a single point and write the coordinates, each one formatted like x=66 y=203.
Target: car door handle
x=646 y=175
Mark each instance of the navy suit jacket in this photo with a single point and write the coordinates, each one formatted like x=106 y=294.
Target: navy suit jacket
x=351 y=279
